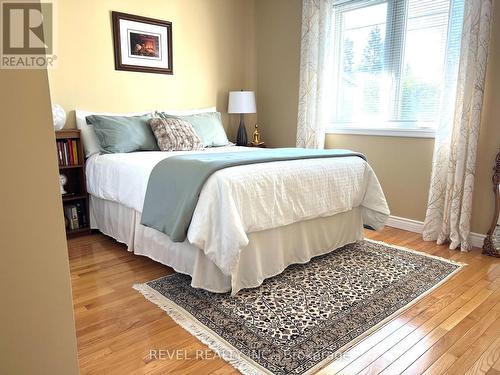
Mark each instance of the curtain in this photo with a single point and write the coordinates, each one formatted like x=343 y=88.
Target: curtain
x=316 y=66
x=452 y=182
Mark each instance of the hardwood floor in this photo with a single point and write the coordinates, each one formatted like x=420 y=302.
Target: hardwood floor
x=453 y=330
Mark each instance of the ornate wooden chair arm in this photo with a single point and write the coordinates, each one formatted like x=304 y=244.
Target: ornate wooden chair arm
x=489 y=247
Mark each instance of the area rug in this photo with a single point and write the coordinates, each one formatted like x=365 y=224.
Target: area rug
x=299 y=321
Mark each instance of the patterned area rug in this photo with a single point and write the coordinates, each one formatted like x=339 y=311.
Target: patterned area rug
x=302 y=319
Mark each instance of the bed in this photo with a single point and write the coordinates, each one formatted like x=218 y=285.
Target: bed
x=251 y=221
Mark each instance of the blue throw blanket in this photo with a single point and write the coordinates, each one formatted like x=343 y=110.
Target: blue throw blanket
x=175 y=183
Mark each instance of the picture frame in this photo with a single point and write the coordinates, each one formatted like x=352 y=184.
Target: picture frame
x=142 y=44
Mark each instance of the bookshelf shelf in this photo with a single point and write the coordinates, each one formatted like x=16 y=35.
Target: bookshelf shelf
x=72 y=166
x=80 y=231
x=70 y=198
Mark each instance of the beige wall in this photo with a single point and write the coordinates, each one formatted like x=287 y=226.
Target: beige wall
x=278 y=58
x=213 y=51
x=37 y=334
x=403 y=165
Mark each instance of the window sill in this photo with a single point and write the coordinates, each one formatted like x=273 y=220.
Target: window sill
x=411 y=133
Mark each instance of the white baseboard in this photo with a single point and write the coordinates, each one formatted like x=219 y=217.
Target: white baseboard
x=477 y=239
x=406 y=224
x=416 y=226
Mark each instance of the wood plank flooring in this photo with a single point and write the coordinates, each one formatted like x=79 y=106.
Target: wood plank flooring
x=453 y=330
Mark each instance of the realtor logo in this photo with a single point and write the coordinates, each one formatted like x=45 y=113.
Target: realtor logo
x=27 y=35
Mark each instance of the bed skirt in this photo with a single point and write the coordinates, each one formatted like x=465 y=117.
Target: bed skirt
x=268 y=253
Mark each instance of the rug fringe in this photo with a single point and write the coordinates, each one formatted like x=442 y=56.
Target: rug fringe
x=236 y=359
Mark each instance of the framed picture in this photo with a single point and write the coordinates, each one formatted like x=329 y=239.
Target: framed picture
x=142 y=44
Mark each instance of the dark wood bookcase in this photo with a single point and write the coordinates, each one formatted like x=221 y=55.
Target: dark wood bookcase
x=76 y=185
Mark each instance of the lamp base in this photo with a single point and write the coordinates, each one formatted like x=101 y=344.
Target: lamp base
x=242 y=138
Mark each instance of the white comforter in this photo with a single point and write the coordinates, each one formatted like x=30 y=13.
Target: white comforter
x=245 y=199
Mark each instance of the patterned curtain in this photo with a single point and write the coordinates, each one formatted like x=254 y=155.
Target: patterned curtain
x=316 y=65
x=450 y=197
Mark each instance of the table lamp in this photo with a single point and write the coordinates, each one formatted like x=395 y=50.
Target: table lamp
x=241 y=102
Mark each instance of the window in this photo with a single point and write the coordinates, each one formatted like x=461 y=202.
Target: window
x=396 y=62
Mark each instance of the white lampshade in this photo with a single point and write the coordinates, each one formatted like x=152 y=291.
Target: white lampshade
x=241 y=102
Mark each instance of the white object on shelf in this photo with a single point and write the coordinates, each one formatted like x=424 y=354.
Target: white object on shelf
x=58 y=116
x=63 y=180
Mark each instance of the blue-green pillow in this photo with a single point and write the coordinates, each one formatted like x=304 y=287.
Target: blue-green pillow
x=208 y=126
x=123 y=133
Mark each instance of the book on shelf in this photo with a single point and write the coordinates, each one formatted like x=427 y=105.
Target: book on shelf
x=75 y=152
x=72 y=215
x=75 y=214
x=67 y=152
x=82 y=218
x=59 y=152
x=70 y=153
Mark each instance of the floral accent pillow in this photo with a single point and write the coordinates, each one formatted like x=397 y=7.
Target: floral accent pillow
x=174 y=134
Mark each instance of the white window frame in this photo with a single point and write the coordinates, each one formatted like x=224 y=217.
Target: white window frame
x=386 y=132
x=396 y=14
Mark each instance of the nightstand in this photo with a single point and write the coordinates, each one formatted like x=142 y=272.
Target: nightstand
x=263 y=145
x=74 y=191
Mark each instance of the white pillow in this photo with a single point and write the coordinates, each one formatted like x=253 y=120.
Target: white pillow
x=186 y=112
x=91 y=144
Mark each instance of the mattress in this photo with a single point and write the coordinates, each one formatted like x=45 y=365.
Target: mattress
x=239 y=201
